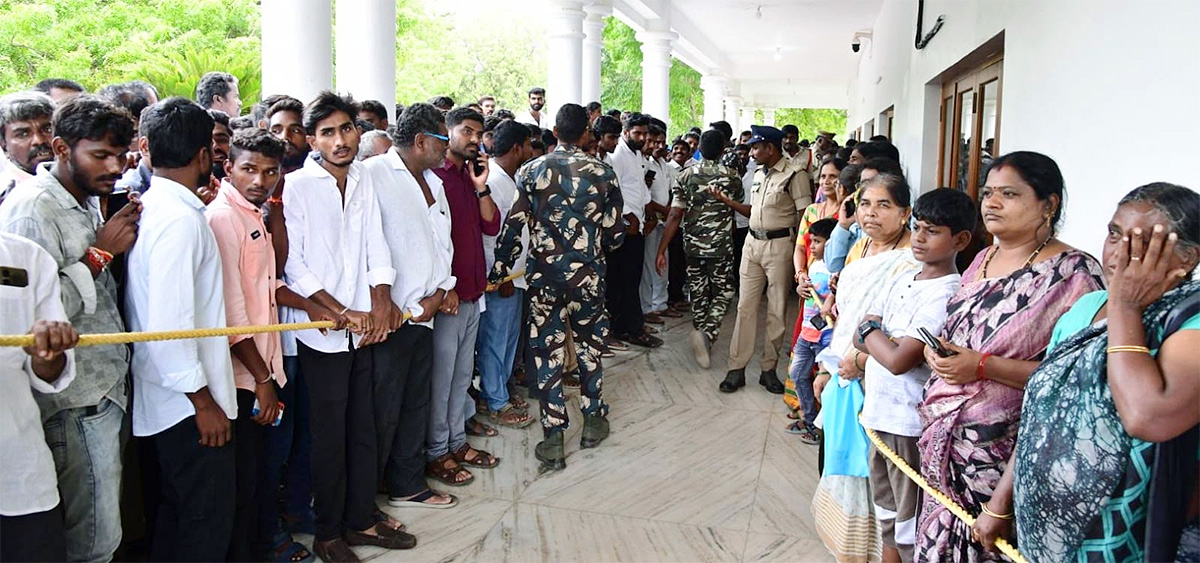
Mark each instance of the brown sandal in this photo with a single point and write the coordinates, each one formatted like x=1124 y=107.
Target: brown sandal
x=518 y=402
x=446 y=469
x=511 y=417
x=479 y=429
x=481 y=458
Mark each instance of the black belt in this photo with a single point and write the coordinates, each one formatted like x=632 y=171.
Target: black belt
x=769 y=235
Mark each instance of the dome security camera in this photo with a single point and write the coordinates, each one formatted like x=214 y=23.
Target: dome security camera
x=857 y=39
x=855 y=45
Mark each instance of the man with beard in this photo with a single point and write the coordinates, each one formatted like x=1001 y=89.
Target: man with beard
x=374 y=113
x=565 y=271
x=339 y=258
x=624 y=264
x=60 y=210
x=488 y=103
x=220 y=144
x=183 y=389
x=473 y=214
x=416 y=224
x=535 y=116
x=792 y=149
x=289 y=445
x=25 y=134
x=249 y=275
x=653 y=289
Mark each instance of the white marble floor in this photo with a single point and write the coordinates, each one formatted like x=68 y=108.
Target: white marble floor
x=688 y=474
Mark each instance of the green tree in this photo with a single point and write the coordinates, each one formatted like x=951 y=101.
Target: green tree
x=811 y=120
x=98 y=42
x=621 y=79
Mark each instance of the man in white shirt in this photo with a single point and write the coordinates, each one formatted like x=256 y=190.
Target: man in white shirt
x=653 y=289
x=500 y=324
x=338 y=258
x=624 y=264
x=31 y=518
x=535 y=115
x=184 y=394
x=416 y=224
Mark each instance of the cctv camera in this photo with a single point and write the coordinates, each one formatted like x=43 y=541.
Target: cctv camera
x=858 y=37
x=855 y=46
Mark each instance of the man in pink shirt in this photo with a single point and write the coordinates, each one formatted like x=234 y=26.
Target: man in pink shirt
x=252 y=292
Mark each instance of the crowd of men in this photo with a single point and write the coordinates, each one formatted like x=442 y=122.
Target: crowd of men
x=449 y=242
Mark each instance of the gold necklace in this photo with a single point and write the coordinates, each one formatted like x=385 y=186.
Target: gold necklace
x=1029 y=262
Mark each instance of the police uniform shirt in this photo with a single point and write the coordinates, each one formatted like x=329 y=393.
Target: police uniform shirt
x=779 y=194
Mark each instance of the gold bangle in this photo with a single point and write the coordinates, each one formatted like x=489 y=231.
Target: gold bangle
x=1138 y=349
x=858 y=354
x=1008 y=516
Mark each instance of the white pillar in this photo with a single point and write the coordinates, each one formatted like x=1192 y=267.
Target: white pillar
x=656 y=72
x=564 y=38
x=769 y=116
x=366 y=50
x=732 y=105
x=714 y=97
x=593 y=45
x=745 y=121
x=297 y=48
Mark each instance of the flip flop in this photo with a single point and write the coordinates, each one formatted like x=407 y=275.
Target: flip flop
x=418 y=501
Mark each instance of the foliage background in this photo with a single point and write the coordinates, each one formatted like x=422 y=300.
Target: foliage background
x=440 y=51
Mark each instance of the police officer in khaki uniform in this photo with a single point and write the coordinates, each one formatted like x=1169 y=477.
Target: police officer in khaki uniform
x=780 y=193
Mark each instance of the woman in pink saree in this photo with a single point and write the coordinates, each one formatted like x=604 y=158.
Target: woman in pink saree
x=999 y=323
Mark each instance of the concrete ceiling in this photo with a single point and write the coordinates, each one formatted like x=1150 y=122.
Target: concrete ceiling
x=776 y=53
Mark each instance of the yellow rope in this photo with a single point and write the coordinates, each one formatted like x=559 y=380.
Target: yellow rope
x=127 y=337
x=24 y=340
x=494 y=286
x=1002 y=544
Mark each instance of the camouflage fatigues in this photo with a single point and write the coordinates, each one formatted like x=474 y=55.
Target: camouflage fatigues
x=708 y=240
x=571 y=204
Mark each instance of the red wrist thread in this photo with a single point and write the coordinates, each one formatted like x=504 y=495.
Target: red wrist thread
x=980 y=372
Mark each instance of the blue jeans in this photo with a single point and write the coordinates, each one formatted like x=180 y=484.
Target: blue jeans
x=287 y=444
x=804 y=354
x=499 y=328
x=86 y=444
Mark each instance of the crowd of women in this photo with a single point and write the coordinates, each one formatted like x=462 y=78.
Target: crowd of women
x=1064 y=408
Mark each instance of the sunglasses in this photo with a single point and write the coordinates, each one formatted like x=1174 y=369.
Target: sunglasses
x=436 y=136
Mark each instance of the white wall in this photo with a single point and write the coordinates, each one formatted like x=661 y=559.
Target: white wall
x=1108 y=88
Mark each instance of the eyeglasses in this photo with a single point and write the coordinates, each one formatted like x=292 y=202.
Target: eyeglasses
x=436 y=136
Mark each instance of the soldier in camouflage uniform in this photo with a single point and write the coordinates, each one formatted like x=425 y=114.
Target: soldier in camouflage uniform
x=707 y=239
x=571 y=203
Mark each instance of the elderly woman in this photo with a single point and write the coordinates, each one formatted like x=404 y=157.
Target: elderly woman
x=1105 y=466
x=998 y=325
x=842 y=500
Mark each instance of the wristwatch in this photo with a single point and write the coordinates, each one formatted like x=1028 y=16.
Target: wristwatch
x=866 y=328
x=486 y=192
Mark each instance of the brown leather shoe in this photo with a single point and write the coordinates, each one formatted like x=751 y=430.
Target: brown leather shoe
x=654 y=319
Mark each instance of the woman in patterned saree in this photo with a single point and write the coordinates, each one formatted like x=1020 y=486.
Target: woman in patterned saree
x=998 y=325
x=1105 y=466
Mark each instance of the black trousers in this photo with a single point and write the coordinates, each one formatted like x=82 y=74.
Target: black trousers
x=739 y=240
x=249 y=454
x=402 y=367
x=343 y=439
x=624 y=281
x=195 y=518
x=676 y=270
x=33 y=537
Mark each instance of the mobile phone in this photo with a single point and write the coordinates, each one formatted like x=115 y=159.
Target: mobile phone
x=13 y=277
x=818 y=322
x=935 y=344
x=850 y=206
x=478 y=167
x=278 y=418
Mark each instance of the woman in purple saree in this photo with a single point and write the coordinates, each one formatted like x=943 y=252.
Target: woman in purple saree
x=999 y=323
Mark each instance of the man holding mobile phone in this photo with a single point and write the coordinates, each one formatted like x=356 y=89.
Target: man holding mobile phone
x=59 y=209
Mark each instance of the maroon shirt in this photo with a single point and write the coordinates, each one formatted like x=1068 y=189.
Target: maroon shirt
x=467 y=228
